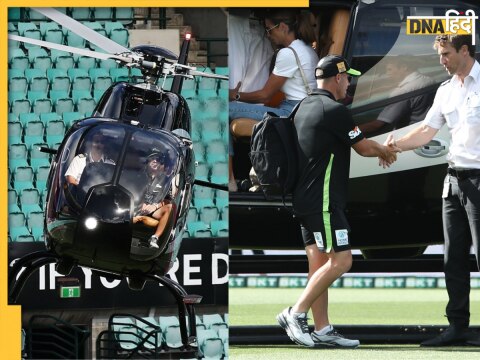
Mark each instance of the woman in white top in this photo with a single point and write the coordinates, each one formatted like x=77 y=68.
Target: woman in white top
x=285 y=28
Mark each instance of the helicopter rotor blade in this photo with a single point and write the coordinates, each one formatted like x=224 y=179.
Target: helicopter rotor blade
x=71 y=49
x=209 y=75
x=85 y=32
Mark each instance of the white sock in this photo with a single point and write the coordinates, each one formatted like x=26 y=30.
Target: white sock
x=325 y=330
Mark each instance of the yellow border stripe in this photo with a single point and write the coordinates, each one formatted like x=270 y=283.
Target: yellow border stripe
x=10 y=319
x=10 y=316
x=164 y=3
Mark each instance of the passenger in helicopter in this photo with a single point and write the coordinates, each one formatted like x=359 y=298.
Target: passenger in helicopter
x=155 y=208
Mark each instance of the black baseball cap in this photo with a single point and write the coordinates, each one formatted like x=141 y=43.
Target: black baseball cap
x=332 y=65
x=158 y=155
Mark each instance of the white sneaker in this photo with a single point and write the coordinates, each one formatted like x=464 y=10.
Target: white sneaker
x=334 y=339
x=153 y=242
x=296 y=327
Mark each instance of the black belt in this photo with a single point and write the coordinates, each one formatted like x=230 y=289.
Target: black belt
x=464 y=173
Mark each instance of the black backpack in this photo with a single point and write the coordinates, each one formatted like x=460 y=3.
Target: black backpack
x=273 y=154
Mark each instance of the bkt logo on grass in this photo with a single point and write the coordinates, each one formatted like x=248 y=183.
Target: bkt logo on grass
x=453 y=22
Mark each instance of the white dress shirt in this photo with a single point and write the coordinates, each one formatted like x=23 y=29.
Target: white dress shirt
x=458 y=105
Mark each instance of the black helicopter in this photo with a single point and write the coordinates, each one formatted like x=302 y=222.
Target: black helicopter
x=103 y=214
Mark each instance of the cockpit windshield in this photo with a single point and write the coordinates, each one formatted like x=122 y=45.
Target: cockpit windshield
x=120 y=161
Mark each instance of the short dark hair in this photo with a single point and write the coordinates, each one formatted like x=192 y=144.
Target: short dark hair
x=457 y=42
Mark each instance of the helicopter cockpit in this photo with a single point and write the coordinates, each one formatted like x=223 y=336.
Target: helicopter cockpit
x=106 y=176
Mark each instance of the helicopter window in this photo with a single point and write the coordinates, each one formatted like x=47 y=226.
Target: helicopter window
x=393 y=65
x=149 y=167
x=88 y=159
x=147 y=106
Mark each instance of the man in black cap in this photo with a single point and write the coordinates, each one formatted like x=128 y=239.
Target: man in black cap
x=325 y=133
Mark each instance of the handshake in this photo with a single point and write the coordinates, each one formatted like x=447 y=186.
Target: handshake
x=388 y=152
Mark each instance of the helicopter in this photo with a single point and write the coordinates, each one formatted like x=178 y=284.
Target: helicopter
x=106 y=217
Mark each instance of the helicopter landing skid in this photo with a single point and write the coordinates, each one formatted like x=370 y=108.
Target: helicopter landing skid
x=24 y=267
x=185 y=304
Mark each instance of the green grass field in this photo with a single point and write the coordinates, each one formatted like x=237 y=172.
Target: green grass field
x=259 y=306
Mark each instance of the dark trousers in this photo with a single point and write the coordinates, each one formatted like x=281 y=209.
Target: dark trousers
x=461 y=226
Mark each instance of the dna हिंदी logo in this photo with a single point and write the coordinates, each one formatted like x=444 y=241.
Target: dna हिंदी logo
x=453 y=22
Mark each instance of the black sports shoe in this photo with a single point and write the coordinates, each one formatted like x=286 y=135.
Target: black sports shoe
x=451 y=336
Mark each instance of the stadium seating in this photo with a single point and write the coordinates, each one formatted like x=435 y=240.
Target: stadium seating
x=35 y=223
x=17 y=225
x=81 y=13
x=192 y=214
x=150 y=325
x=17 y=82
x=208 y=214
x=201 y=172
x=54 y=132
x=70 y=117
x=216 y=152
x=219 y=173
x=17 y=59
x=125 y=331
x=171 y=331
x=198 y=229
x=30 y=200
x=33 y=133
x=17 y=155
x=15 y=131
x=219 y=228
x=86 y=62
x=20 y=106
x=223 y=334
x=22 y=178
x=13 y=201
x=46 y=117
x=214 y=321
x=41 y=176
x=102 y=13
x=124 y=15
x=210 y=344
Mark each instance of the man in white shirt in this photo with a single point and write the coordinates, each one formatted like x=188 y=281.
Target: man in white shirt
x=457 y=104
x=96 y=154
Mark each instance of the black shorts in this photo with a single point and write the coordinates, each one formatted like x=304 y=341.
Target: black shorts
x=329 y=230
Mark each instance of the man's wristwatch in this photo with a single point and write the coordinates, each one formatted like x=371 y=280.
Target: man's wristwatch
x=237 y=96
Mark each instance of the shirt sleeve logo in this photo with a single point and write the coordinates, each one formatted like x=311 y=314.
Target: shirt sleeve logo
x=354 y=133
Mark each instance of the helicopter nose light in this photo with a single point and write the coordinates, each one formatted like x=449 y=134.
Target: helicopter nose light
x=91 y=223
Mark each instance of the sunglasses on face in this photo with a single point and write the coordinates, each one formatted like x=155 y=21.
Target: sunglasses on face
x=267 y=30
x=158 y=160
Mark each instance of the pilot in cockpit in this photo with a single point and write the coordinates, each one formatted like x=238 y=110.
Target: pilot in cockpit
x=94 y=154
x=156 y=203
